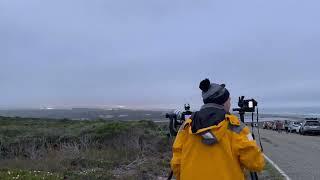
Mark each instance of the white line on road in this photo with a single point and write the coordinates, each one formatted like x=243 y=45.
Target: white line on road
x=277 y=167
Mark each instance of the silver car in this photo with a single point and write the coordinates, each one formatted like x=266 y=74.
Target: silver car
x=310 y=127
x=294 y=126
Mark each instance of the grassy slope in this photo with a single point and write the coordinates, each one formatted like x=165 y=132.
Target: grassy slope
x=271 y=173
x=82 y=149
x=63 y=149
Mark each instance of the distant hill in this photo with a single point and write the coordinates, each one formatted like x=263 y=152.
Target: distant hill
x=130 y=114
x=86 y=114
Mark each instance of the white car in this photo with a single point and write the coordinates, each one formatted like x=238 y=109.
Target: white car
x=294 y=127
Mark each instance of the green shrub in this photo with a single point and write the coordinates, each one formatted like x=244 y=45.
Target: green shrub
x=110 y=129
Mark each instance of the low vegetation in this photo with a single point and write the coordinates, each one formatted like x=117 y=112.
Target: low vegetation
x=271 y=173
x=63 y=149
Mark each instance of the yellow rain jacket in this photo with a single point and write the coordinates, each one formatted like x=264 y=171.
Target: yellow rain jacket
x=234 y=152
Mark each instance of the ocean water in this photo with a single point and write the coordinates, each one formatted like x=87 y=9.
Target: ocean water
x=296 y=111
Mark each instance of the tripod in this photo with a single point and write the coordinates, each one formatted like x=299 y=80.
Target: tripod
x=253 y=175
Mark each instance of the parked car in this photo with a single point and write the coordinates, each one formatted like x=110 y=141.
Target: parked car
x=274 y=126
x=294 y=126
x=278 y=126
x=310 y=127
x=267 y=125
x=270 y=124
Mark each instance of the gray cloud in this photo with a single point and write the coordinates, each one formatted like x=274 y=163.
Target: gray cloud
x=154 y=53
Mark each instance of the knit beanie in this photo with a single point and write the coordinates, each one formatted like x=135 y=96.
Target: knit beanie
x=213 y=93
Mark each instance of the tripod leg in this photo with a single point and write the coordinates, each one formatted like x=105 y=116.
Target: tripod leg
x=170 y=175
x=254 y=176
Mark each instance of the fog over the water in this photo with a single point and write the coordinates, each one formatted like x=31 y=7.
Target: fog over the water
x=153 y=54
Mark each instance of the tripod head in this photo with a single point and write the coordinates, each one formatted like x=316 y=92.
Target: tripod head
x=245 y=105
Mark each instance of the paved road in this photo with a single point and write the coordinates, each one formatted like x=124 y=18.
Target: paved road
x=298 y=156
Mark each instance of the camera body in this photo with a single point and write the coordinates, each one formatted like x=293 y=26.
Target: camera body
x=177 y=118
x=246 y=105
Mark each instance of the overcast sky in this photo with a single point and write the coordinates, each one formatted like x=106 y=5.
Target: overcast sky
x=154 y=53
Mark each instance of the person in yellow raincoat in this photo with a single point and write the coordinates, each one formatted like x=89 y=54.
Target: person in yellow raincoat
x=213 y=144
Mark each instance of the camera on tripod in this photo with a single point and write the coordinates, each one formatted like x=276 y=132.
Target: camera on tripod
x=249 y=105
x=177 y=118
x=246 y=105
